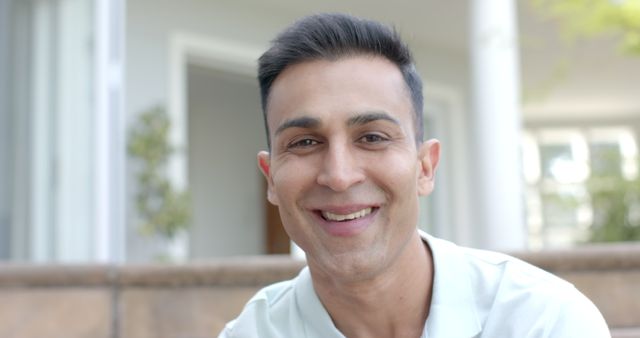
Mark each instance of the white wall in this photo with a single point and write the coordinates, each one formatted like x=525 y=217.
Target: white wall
x=225 y=133
x=151 y=23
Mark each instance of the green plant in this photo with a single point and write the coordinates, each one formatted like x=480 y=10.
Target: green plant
x=161 y=209
x=614 y=198
x=589 y=18
x=616 y=206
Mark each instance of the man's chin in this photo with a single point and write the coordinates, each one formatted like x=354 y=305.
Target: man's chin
x=352 y=266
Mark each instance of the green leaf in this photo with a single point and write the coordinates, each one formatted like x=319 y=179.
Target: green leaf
x=161 y=209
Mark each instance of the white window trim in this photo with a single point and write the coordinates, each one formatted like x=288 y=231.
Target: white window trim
x=188 y=48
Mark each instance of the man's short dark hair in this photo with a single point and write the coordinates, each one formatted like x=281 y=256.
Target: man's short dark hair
x=330 y=37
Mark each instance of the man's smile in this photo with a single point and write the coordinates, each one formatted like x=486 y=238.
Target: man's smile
x=346 y=221
x=338 y=217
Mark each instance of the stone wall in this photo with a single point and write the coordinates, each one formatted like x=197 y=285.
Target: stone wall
x=196 y=299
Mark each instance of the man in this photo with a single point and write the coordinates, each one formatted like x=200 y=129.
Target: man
x=343 y=110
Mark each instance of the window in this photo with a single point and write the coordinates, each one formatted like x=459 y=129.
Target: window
x=55 y=163
x=570 y=174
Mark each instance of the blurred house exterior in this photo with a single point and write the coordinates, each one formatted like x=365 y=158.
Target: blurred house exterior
x=76 y=74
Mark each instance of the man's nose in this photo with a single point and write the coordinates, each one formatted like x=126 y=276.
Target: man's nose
x=340 y=168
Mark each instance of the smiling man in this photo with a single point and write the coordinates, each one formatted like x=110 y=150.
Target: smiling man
x=347 y=163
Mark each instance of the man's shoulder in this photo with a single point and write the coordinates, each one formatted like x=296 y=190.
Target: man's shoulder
x=490 y=270
x=501 y=268
x=530 y=298
x=509 y=297
x=271 y=295
x=265 y=313
x=507 y=280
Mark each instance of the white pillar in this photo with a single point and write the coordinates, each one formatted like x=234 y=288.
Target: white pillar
x=110 y=150
x=39 y=166
x=6 y=134
x=495 y=146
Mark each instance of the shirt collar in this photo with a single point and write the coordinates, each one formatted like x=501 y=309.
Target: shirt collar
x=453 y=306
x=317 y=322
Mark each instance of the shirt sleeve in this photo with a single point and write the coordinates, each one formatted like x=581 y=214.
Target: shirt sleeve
x=227 y=332
x=579 y=318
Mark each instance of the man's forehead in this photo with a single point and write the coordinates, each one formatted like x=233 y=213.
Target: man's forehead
x=375 y=67
x=346 y=75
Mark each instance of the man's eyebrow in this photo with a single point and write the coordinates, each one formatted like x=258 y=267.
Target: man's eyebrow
x=300 y=122
x=367 y=117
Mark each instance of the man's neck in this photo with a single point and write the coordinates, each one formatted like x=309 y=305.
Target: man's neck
x=394 y=303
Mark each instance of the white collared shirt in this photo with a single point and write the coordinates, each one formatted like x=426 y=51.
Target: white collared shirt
x=475 y=294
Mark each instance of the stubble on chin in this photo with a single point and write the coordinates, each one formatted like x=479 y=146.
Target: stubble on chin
x=349 y=266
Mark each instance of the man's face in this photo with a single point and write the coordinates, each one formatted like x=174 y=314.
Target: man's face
x=345 y=171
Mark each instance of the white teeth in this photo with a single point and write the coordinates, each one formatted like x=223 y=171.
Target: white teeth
x=335 y=217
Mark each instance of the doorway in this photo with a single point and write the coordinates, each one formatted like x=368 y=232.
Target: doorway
x=231 y=216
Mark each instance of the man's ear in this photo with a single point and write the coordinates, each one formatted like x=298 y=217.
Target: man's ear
x=428 y=156
x=264 y=163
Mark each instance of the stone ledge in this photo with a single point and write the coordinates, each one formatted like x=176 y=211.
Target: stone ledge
x=145 y=300
x=618 y=256
x=37 y=275
x=56 y=312
x=239 y=271
x=185 y=312
x=263 y=270
x=631 y=332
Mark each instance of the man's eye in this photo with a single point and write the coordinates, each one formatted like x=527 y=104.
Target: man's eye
x=372 y=138
x=307 y=142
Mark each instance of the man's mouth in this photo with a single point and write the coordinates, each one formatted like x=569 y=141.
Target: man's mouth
x=329 y=216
